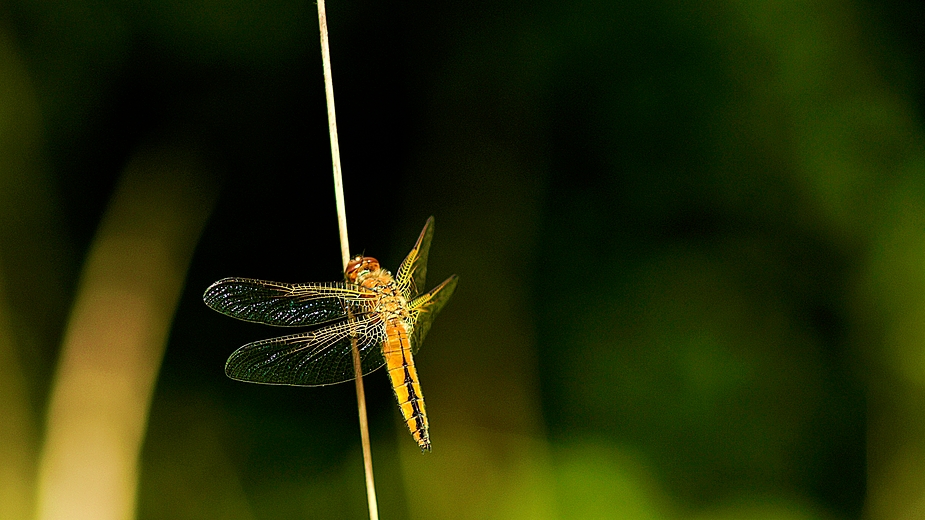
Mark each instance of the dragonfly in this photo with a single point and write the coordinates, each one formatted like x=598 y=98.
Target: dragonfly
x=386 y=315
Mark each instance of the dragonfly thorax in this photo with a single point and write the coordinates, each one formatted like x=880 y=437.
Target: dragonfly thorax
x=386 y=296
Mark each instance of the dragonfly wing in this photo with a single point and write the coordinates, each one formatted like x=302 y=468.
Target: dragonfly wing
x=284 y=304
x=426 y=307
x=412 y=272
x=321 y=357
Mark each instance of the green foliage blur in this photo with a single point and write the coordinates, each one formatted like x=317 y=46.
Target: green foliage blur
x=690 y=240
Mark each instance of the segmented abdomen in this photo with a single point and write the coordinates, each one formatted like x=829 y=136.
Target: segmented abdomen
x=404 y=379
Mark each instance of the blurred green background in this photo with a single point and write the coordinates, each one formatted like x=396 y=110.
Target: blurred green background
x=690 y=241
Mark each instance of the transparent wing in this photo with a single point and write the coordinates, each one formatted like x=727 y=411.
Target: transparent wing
x=321 y=357
x=412 y=272
x=285 y=304
x=426 y=307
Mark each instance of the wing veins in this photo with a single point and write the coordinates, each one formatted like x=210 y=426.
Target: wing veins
x=283 y=304
x=315 y=358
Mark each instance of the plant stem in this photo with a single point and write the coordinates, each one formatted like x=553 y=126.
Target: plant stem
x=345 y=255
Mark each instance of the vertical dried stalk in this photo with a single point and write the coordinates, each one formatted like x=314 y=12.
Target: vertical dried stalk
x=345 y=255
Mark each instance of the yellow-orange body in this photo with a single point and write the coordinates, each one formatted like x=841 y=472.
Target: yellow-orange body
x=396 y=348
x=370 y=320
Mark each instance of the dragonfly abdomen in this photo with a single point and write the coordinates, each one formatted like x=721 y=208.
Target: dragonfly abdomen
x=404 y=378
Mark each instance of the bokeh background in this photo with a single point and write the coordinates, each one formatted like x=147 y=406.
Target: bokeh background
x=690 y=240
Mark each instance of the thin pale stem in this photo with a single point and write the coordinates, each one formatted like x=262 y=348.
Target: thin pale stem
x=332 y=130
x=345 y=255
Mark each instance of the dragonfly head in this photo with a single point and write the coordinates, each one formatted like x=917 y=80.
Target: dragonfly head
x=359 y=266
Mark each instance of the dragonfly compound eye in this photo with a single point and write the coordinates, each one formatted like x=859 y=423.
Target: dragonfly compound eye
x=360 y=265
